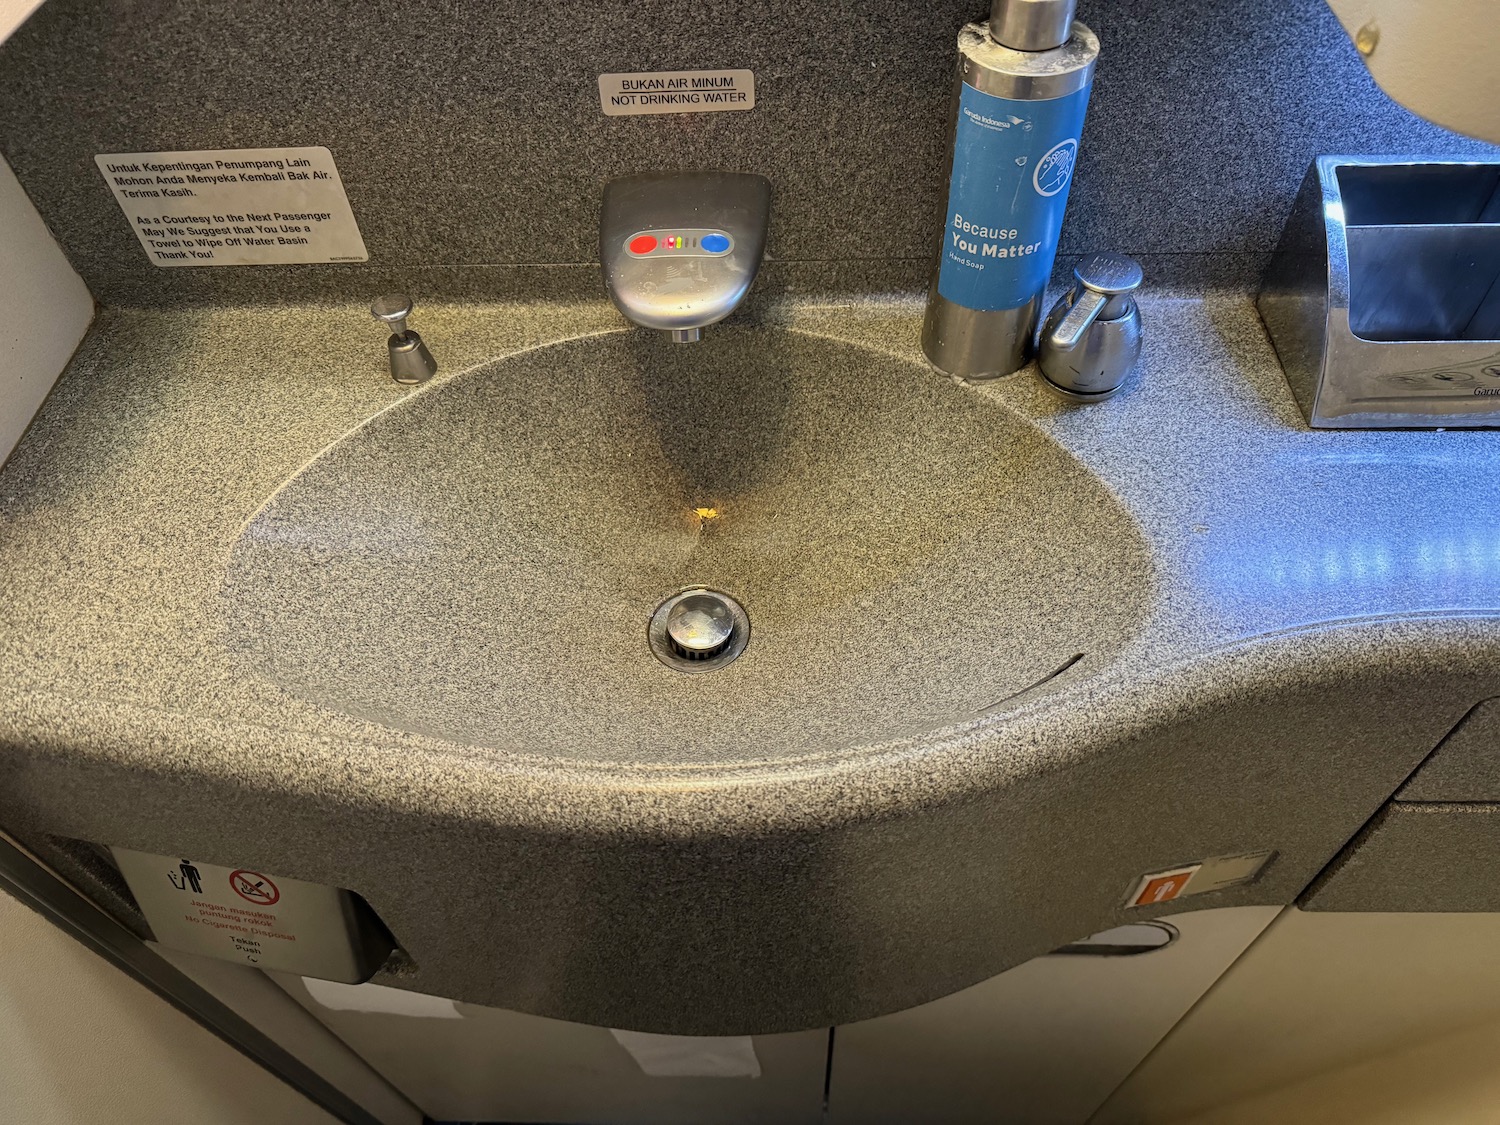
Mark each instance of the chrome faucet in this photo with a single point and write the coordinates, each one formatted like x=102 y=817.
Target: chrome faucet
x=680 y=250
x=1092 y=338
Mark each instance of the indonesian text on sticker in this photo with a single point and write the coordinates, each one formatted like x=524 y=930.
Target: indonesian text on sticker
x=676 y=91
x=235 y=207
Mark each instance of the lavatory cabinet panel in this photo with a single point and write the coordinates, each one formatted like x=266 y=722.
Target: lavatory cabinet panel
x=464 y=1062
x=1322 y=992
x=1437 y=858
x=1466 y=766
x=1045 y=1043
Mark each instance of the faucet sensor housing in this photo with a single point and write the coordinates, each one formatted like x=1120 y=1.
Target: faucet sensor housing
x=680 y=250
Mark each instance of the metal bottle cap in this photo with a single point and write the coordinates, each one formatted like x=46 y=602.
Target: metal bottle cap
x=1032 y=25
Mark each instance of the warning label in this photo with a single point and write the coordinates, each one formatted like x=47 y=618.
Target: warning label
x=676 y=91
x=243 y=915
x=254 y=887
x=248 y=923
x=235 y=207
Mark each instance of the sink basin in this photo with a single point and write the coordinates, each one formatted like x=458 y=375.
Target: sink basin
x=479 y=563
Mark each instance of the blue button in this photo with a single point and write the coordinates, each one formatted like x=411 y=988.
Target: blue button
x=715 y=243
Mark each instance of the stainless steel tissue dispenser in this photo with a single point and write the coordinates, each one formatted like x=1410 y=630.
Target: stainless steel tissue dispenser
x=1383 y=296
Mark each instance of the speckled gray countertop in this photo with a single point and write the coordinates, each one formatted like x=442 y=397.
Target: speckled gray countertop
x=123 y=506
x=1314 y=610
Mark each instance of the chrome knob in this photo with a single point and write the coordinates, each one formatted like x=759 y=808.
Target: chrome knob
x=411 y=362
x=1092 y=337
x=393 y=308
x=700 y=626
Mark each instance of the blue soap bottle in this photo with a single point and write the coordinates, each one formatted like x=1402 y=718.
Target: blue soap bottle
x=1021 y=92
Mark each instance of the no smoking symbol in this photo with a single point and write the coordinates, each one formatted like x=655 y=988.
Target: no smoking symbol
x=254 y=887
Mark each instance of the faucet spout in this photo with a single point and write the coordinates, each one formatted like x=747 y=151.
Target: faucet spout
x=680 y=250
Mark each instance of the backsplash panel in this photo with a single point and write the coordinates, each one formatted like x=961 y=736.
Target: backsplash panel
x=472 y=146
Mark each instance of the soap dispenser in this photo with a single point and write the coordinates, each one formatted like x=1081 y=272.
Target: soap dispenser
x=1021 y=91
x=1091 y=339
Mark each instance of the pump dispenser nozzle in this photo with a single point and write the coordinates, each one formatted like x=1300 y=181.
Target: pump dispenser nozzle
x=1032 y=25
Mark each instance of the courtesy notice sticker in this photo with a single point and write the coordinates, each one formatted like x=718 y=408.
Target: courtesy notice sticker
x=235 y=207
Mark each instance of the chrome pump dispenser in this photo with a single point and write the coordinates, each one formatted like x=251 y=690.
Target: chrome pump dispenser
x=1022 y=88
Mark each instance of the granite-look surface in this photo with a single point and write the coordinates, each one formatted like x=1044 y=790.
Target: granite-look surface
x=471 y=143
x=1315 y=611
x=1417 y=856
x=1466 y=767
x=478 y=563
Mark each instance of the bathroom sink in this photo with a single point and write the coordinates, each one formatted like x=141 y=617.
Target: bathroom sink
x=479 y=563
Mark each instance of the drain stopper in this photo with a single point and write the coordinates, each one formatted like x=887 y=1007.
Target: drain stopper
x=698 y=630
x=699 y=626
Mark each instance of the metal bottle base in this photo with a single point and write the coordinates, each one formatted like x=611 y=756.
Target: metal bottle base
x=976 y=344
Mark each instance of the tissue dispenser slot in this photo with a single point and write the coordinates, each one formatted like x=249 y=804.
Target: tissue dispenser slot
x=1383 y=296
x=252 y=918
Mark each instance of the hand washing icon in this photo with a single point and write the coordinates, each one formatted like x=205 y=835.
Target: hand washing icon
x=1055 y=169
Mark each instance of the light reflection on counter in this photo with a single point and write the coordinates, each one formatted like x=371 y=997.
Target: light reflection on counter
x=1296 y=568
x=1371 y=563
x=1407 y=521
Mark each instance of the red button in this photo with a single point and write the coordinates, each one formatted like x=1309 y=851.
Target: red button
x=642 y=244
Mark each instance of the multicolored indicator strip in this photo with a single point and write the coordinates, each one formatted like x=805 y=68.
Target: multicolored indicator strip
x=710 y=242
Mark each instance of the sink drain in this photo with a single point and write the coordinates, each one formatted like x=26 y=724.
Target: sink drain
x=698 y=630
